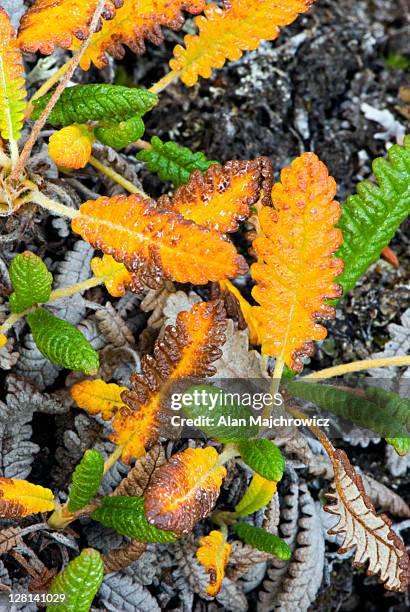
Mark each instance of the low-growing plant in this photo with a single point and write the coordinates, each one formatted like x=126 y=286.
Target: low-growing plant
x=306 y=252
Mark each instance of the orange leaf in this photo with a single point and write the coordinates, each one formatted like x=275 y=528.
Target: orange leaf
x=71 y=146
x=188 y=349
x=19 y=498
x=49 y=23
x=135 y=22
x=184 y=490
x=213 y=554
x=221 y=196
x=296 y=270
x=156 y=245
x=116 y=276
x=96 y=396
x=225 y=34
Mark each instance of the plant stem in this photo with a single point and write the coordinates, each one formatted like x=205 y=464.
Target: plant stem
x=60 y=209
x=74 y=62
x=55 y=295
x=327 y=445
x=113 y=458
x=47 y=85
x=118 y=178
x=229 y=452
x=274 y=388
x=357 y=366
x=142 y=144
x=164 y=82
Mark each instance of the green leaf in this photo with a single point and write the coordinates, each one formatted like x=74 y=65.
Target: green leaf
x=381 y=411
x=126 y=515
x=79 y=582
x=263 y=457
x=371 y=218
x=120 y=135
x=257 y=496
x=100 y=102
x=172 y=162
x=62 y=343
x=262 y=540
x=31 y=281
x=86 y=480
x=208 y=401
x=400 y=445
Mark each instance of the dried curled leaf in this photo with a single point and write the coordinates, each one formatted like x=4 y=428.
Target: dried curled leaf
x=50 y=23
x=98 y=397
x=96 y=102
x=213 y=553
x=221 y=197
x=172 y=162
x=86 y=480
x=118 y=558
x=31 y=281
x=257 y=496
x=71 y=146
x=126 y=515
x=79 y=582
x=363 y=529
x=156 y=244
x=138 y=478
x=188 y=349
x=184 y=490
x=296 y=269
x=134 y=23
x=19 y=498
x=117 y=279
x=225 y=34
x=12 y=91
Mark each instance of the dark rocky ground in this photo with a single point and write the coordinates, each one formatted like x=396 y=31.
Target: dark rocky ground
x=303 y=92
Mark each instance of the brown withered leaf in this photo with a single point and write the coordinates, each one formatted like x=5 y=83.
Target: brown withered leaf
x=118 y=558
x=9 y=538
x=369 y=533
x=138 y=478
x=186 y=350
x=184 y=490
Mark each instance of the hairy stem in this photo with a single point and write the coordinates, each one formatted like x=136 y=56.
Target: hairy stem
x=113 y=458
x=357 y=366
x=118 y=178
x=74 y=62
x=47 y=85
x=55 y=295
x=60 y=209
x=274 y=388
x=164 y=82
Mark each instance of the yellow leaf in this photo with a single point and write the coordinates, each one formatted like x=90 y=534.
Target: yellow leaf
x=246 y=309
x=296 y=269
x=135 y=22
x=116 y=276
x=213 y=553
x=71 y=146
x=97 y=396
x=225 y=34
x=49 y=23
x=19 y=498
x=3 y=340
x=257 y=496
x=12 y=93
x=184 y=490
x=188 y=349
